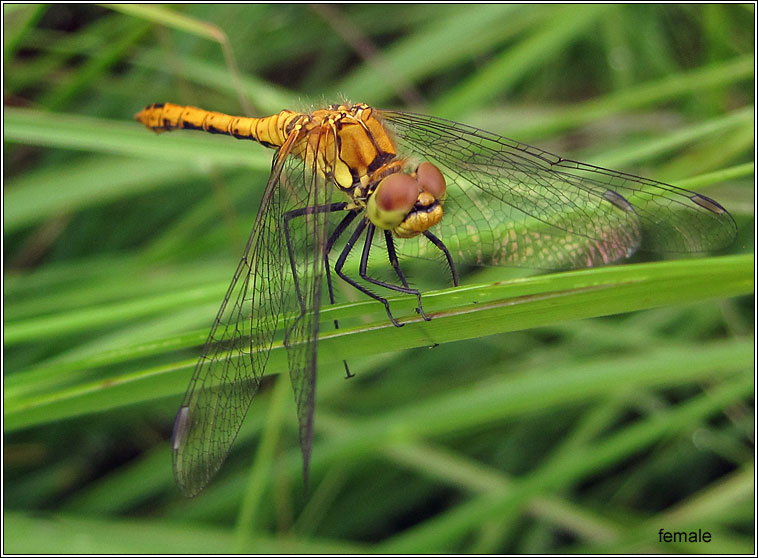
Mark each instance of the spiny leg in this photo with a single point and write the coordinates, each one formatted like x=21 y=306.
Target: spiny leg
x=390 y=243
x=328 y=208
x=441 y=245
x=393 y=260
x=341 y=262
x=329 y=245
x=393 y=257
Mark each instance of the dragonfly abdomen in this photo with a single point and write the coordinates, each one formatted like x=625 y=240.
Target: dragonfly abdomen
x=270 y=131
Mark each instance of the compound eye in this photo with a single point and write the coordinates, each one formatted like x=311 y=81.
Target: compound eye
x=392 y=200
x=431 y=180
x=397 y=192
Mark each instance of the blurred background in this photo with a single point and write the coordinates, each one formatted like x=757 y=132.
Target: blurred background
x=578 y=436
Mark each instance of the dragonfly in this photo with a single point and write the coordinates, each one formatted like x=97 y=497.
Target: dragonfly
x=350 y=178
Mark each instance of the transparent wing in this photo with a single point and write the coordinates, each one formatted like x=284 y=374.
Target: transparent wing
x=306 y=236
x=229 y=372
x=512 y=204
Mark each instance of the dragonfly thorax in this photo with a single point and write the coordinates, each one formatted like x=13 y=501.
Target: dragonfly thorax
x=349 y=144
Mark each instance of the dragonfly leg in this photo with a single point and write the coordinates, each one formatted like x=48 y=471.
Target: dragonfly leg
x=327 y=208
x=441 y=245
x=329 y=244
x=341 y=262
x=390 y=243
x=393 y=261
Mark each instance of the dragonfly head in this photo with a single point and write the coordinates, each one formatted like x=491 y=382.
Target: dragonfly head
x=408 y=203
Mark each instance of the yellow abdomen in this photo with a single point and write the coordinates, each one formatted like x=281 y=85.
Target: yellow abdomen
x=270 y=131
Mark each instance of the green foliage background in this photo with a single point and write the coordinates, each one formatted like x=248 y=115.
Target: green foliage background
x=526 y=431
